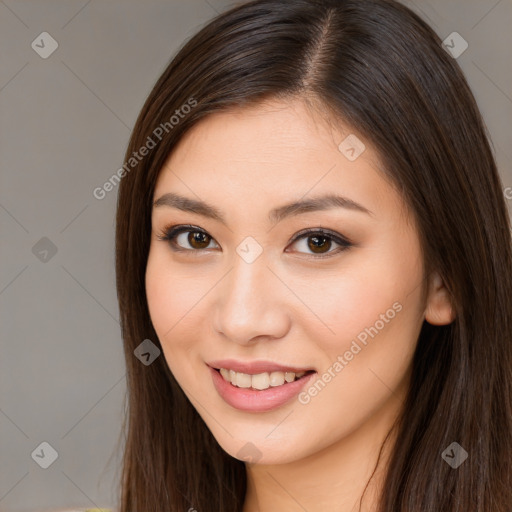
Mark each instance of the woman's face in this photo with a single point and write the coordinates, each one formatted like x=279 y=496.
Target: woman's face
x=246 y=290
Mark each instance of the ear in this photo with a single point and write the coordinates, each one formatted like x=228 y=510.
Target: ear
x=439 y=309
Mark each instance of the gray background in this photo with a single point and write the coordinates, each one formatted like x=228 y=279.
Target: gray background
x=64 y=126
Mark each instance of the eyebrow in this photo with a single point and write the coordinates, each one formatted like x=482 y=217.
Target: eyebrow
x=325 y=202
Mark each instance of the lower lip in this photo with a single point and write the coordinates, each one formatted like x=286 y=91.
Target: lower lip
x=252 y=400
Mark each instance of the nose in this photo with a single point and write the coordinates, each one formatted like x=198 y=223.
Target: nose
x=250 y=304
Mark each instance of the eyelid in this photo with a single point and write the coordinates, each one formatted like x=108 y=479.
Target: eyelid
x=172 y=231
x=337 y=237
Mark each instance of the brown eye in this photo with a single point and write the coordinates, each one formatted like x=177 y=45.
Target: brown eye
x=319 y=244
x=186 y=238
x=198 y=239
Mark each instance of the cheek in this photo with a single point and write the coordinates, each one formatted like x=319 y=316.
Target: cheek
x=173 y=300
x=159 y=295
x=377 y=302
x=176 y=298
x=169 y=294
x=374 y=316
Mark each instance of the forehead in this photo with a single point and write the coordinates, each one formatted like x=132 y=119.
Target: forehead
x=273 y=152
x=277 y=129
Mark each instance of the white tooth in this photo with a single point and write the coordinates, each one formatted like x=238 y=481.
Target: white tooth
x=289 y=376
x=277 y=378
x=261 y=381
x=243 y=380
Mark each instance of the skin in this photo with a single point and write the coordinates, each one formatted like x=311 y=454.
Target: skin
x=287 y=306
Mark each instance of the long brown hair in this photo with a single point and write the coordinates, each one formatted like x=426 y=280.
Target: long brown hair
x=378 y=67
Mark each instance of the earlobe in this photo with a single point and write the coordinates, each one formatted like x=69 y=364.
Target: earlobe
x=439 y=309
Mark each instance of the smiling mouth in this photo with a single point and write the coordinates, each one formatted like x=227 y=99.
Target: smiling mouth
x=262 y=380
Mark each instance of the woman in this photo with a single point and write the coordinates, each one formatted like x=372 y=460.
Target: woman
x=314 y=272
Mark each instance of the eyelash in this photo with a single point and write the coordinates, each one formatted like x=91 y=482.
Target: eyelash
x=171 y=232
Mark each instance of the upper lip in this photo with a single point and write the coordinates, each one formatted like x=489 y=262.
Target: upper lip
x=255 y=367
